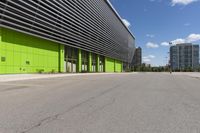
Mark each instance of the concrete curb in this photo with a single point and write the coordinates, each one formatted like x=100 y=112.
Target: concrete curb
x=190 y=74
x=20 y=77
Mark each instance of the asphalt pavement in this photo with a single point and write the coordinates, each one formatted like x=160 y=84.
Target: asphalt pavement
x=112 y=103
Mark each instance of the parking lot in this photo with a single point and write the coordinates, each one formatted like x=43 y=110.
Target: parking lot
x=102 y=103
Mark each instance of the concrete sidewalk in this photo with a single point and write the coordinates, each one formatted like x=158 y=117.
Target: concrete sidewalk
x=191 y=74
x=19 y=77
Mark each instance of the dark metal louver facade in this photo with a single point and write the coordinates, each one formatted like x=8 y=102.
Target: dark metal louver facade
x=91 y=25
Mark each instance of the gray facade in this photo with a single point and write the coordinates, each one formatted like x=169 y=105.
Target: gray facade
x=91 y=25
x=183 y=56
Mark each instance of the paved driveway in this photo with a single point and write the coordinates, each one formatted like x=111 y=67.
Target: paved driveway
x=114 y=103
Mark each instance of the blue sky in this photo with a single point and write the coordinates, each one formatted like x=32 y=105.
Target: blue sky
x=155 y=22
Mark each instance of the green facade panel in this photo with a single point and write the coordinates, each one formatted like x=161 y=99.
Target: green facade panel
x=21 y=53
x=61 y=58
x=79 y=61
x=0 y=34
x=90 y=62
x=98 y=63
x=109 y=65
x=118 y=66
x=112 y=65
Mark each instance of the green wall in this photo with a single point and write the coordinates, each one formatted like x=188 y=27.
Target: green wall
x=90 y=62
x=79 y=61
x=0 y=35
x=112 y=65
x=61 y=58
x=109 y=65
x=118 y=66
x=97 y=63
x=21 y=53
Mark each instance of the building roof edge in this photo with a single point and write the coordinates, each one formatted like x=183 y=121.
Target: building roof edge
x=117 y=14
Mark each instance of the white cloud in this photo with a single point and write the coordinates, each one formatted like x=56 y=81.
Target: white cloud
x=187 y=24
x=150 y=35
x=152 y=45
x=148 y=58
x=190 y=39
x=182 y=2
x=151 y=56
x=164 y=44
x=126 y=22
x=177 y=41
x=193 y=38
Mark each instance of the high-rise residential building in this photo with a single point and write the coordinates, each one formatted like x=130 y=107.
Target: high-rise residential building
x=137 y=58
x=63 y=36
x=184 y=56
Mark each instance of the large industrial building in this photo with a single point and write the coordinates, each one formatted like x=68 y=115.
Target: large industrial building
x=63 y=36
x=184 y=56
